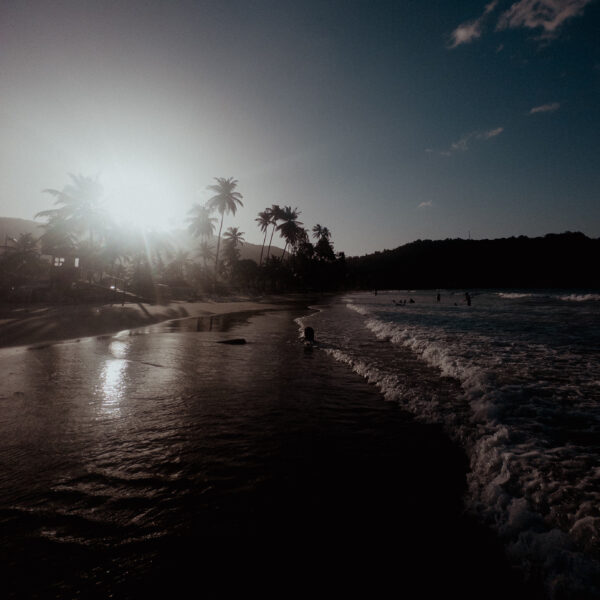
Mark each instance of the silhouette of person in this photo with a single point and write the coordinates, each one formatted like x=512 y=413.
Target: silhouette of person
x=439 y=297
x=411 y=301
x=309 y=334
x=468 y=298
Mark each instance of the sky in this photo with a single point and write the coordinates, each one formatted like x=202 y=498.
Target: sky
x=386 y=122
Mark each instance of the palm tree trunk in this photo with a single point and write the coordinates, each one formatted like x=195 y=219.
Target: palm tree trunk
x=270 y=240
x=263 y=248
x=218 y=245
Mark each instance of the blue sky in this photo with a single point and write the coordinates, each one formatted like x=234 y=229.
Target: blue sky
x=384 y=121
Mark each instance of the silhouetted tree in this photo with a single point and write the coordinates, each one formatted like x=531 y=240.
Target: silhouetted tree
x=290 y=229
x=264 y=220
x=225 y=200
x=205 y=252
x=82 y=207
x=200 y=223
x=320 y=232
x=233 y=238
x=275 y=218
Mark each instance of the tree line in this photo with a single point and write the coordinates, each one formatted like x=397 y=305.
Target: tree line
x=566 y=260
x=82 y=247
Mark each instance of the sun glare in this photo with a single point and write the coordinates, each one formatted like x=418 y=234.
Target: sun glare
x=142 y=200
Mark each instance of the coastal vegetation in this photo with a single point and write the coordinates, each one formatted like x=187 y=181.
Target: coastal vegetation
x=83 y=253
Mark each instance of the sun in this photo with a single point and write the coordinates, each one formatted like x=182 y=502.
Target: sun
x=142 y=199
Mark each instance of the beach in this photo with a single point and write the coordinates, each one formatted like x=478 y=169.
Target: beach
x=32 y=324
x=139 y=463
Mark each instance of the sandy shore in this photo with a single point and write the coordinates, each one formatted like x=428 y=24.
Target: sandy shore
x=27 y=325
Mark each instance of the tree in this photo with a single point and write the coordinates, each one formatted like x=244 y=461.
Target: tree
x=275 y=217
x=80 y=217
x=58 y=239
x=264 y=219
x=82 y=207
x=21 y=261
x=201 y=224
x=290 y=229
x=320 y=232
x=225 y=200
x=233 y=238
x=205 y=252
x=324 y=250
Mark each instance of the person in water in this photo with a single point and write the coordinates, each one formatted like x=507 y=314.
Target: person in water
x=468 y=298
x=309 y=335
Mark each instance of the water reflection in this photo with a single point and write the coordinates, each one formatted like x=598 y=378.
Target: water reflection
x=112 y=379
x=221 y=323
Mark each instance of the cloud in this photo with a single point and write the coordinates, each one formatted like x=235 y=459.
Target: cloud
x=464 y=143
x=545 y=108
x=486 y=135
x=465 y=33
x=427 y=204
x=471 y=30
x=547 y=14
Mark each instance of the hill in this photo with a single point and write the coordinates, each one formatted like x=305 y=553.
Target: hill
x=556 y=260
x=13 y=228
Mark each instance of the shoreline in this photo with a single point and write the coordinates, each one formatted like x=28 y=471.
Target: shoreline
x=25 y=325
x=260 y=442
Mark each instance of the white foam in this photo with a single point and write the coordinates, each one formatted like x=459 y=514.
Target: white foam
x=361 y=310
x=580 y=297
x=513 y=295
x=513 y=472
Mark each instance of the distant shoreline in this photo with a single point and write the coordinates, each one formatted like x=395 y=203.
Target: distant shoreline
x=26 y=325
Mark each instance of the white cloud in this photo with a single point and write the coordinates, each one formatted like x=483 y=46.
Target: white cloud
x=545 y=108
x=547 y=14
x=427 y=204
x=465 y=33
x=471 y=30
x=464 y=143
x=486 y=135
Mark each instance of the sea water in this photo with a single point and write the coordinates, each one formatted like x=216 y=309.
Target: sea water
x=514 y=377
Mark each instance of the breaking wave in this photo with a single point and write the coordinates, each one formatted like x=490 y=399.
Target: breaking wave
x=525 y=406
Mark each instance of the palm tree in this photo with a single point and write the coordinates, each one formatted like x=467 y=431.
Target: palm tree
x=58 y=239
x=82 y=207
x=264 y=220
x=321 y=232
x=224 y=201
x=275 y=216
x=205 y=252
x=233 y=237
x=201 y=224
x=290 y=229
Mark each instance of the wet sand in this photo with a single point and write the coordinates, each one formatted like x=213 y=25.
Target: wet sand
x=33 y=324
x=221 y=471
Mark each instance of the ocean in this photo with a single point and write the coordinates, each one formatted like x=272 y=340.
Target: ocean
x=514 y=379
